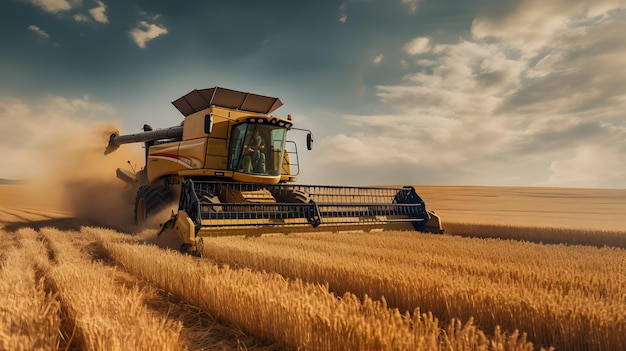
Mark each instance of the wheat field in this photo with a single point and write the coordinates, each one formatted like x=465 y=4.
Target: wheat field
x=512 y=273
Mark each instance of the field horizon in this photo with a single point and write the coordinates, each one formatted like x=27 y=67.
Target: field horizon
x=571 y=208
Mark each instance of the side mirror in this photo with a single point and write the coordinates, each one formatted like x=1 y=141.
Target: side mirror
x=208 y=124
x=309 y=141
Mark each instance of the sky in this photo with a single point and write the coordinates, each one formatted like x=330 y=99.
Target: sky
x=446 y=92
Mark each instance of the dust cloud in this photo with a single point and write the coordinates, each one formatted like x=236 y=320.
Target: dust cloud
x=61 y=162
x=55 y=146
x=82 y=179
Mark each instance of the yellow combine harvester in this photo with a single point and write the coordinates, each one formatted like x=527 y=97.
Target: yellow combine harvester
x=227 y=166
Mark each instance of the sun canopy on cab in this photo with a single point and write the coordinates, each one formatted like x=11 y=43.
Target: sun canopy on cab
x=198 y=100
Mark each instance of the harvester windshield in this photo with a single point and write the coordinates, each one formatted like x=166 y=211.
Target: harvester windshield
x=257 y=149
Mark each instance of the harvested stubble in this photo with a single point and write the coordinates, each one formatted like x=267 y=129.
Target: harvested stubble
x=545 y=235
x=297 y=315
x=106 y=315
x=29 y=317
x=569 y=297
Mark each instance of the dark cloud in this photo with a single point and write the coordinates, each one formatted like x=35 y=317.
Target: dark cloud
x=496 y=11
x=563 y=138
x=490 y=79
x=585 y=78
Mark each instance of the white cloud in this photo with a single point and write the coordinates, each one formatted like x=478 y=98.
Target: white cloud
x=80 y=17
x=426 y=63
x=145 y=32
x=52 y=6
x=342 y=12
x=530 y=25
x=416 y=46
x=40 y=32
x=378 y=59
x=99 y=13
x=540 y=103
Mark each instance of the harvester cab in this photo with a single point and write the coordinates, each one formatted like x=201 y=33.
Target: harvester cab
x=227 y=168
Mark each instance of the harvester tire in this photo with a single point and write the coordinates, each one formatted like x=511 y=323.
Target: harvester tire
x=294 y=196
x=149 y=201
x=301 y=197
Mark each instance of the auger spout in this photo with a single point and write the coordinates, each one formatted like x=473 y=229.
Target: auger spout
x=115 y=140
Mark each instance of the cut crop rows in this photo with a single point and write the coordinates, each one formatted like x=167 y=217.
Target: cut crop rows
x=59 y=292
x=29 y=315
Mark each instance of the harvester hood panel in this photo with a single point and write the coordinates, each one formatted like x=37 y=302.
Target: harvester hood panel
x=198 y=100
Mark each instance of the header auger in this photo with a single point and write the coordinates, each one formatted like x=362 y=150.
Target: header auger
x=228 y=168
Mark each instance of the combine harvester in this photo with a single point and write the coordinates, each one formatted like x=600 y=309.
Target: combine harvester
x=227 y=166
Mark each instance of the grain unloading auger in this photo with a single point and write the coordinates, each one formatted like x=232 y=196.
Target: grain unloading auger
x=229 y=167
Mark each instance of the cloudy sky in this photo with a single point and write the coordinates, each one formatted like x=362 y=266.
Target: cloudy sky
x=485 y=92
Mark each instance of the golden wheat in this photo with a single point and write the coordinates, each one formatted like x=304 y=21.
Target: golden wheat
x=299 y=315
x=570 y=297
x=567 y=296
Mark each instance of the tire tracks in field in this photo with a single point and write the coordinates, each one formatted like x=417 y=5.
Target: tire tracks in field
x=101 y=308
x=68 y=327
x=200 y=331
x=32 y=320
x=8 y=216
x=27 y=215
x=14 y=219
x=44 y=214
